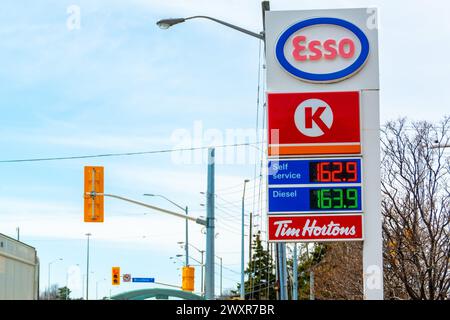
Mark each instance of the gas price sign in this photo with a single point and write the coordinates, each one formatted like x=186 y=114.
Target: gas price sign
x=314 y=199
x=315 y=185
x=315 y=171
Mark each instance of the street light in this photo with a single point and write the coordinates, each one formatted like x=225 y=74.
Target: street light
x=182 y=255
x=49 y=274
x=242 y=243
x=221 y=278
x=185 y=209
x=167 y=23
x=202 y=265
x=87 y=266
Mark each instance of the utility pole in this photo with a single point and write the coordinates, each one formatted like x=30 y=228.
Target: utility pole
x=250 y=253
x=250 y=237
x=242 y=291
x=49 y=275
x=202 y=275
x=209 y=268
x=269 y=249
x=311 y=285
x=187 y=238
x=295 y=275
x=277 y=272
x=282 y=270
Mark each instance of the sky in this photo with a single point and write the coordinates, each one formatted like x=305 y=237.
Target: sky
x=120 y=84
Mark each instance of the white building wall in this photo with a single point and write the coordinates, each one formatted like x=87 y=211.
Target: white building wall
x=18 y=270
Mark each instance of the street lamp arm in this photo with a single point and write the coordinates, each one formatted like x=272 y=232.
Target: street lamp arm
x=167 y=23
x=250 y=33
x=161 y=196
x=179 y=215
x=191 y=245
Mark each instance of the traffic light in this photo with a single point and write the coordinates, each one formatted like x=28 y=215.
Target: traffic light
x=115 y=276
x=187 y=283
x=93 y=202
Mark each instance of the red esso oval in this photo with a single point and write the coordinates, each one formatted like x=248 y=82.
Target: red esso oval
x=329 y=49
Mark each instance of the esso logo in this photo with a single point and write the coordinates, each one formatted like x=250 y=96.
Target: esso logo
x=330 y=49
x=322 y=50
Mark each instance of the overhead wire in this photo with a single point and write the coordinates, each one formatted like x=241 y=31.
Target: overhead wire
x=124 y=154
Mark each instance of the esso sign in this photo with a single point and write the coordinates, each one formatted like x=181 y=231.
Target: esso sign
x=322 y=50
x=330 y=49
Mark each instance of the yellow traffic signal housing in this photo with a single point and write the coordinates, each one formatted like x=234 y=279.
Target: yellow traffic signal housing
x=93 y=202
x=115 y=276
x=187 y=283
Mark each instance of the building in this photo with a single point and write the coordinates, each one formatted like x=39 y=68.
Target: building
x=19 y=270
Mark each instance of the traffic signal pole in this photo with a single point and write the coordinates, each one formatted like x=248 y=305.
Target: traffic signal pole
x=209 y=222
x=179 y=215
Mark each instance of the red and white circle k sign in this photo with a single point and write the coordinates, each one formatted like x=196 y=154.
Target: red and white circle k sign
x=314 y=123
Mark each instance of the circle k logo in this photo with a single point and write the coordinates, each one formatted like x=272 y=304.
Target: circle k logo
x=322 y=50
x=313 y=117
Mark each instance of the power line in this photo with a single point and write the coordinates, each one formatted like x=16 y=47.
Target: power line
x=231 y=187
x=125 y=154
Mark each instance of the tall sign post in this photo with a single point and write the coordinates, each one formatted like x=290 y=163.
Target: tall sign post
x=323 y=121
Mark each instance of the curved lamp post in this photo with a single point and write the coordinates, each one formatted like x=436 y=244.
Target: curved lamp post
x=185 y=209
x=167 y=23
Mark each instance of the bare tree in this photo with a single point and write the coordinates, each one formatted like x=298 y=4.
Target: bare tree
x=50 y=293
x=338 y=275
x=416 y=209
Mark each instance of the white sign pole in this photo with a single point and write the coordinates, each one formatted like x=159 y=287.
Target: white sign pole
x=372 y=246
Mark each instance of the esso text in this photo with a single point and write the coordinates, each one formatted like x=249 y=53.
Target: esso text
x=313 y=50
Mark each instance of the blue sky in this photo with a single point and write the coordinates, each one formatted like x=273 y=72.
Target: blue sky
x=120 y=84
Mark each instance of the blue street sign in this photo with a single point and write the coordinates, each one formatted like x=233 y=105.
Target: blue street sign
x=143 y=279
x=315 y=171
x=325 y=199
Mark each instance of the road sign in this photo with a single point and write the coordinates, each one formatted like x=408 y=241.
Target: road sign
x=314 y=123
x=314 y=171
x=126 y=277
x=324 y=199
x=143 y=279
x=93 y=185
x=115 y=276
x=304 y=228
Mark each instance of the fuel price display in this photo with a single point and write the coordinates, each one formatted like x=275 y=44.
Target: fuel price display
x=315 y=171
x=314 y=199
x=315 y=185
x=334 y=198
